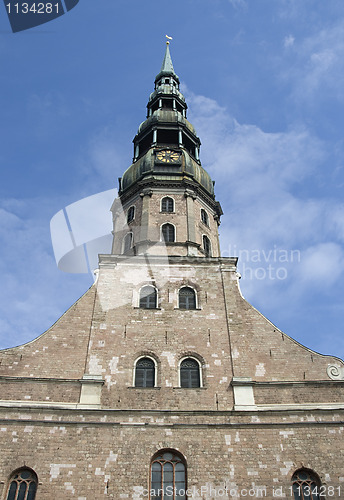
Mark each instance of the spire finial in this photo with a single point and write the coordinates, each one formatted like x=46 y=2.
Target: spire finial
x=167 y=65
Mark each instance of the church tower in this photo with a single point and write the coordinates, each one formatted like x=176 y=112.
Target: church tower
x=161 y=382
x=166 y=195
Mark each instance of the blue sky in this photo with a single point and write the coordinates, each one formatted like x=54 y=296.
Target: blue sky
x=264 y=84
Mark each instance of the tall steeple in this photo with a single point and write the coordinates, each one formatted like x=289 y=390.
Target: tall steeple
x=166 y=164
x=167 y=65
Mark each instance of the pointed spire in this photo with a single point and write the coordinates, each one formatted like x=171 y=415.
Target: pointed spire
x=167 y=68
x=167 y=65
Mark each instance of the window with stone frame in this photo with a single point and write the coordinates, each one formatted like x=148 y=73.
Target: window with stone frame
x=22 y=485
x=190 y=373
x=187 y=298
x=148 y=297
x=167 y=204
x=206 y=246
x=306 y=485
x=145 y=373
x=168 y=233
x=204 y=217
x=131 y=214
x=168 y=476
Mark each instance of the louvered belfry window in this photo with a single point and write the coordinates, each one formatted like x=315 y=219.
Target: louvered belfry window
x=189 y=373
x=168 y=233
x=168 y=477
x=145 y=373
x=204 y=217
x=148 y=297
x=23 y=485
x=187 y=298
x=167 y=204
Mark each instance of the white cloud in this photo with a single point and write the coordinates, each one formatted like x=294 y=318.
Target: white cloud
x=288 y=41
x=317 y=66
x=103 y=158
x=8 y=220
x=258 y=177
x=33 y=292
x=238 y=3
x=322 y=264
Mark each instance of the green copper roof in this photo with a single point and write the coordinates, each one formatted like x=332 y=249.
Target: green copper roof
x=147 y=167
x=167 y=65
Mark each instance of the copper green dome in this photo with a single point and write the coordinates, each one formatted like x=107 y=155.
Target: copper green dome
x=149 y=168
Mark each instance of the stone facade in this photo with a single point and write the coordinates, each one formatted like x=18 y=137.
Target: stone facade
x=262 y=409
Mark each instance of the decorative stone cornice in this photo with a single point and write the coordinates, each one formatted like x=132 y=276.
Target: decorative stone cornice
x=228 y=263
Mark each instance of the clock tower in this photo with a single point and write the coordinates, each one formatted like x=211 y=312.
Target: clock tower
x=166 y=197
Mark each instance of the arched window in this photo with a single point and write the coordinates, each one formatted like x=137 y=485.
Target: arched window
x=168 y=232
x=204 y=217
x=145 y=373
x=306 y=485
x=23 y=485
x=206 y=246
x=148 y=297
x=167 y=204
x=189 y=373
x=168 y=477
x=131 y=214
x=128 y=242
x=187 y=298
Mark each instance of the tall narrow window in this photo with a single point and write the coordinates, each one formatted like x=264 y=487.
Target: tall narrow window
x=128 y=242
x=187 y=298
x=148 y=297
x=306 y=485
x=145 y=373
x=204 y=217
x=189 y=373
x=23 y=485
x=168 y=477
x=167 y=204
x=206 y=246
x=131 y=214
x=168 y=232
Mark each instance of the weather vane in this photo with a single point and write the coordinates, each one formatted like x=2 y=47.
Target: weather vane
x=168 y=39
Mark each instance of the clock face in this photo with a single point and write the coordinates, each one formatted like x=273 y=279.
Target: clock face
x=168 y=156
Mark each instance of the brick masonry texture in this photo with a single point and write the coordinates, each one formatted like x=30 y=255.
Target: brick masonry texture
x=104 y=451
x=180 y=218
x=93 y=459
